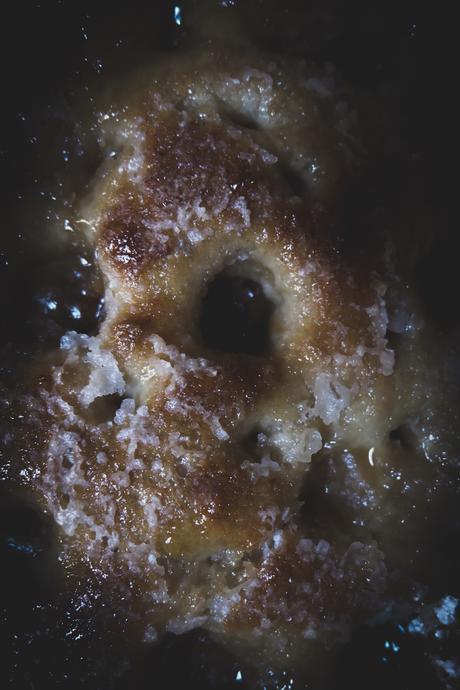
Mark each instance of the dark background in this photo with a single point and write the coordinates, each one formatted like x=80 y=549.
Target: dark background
x=403 y=57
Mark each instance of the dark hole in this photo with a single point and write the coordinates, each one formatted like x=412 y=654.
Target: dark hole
x=320 y=510
x=334 y=498
x=393 y=340
x=64 y=501
x=235 y=316
x=404 y=436
x=67 y=463
x=103 y=409
x=293 y=178
x=256 y=444
x=251 y=445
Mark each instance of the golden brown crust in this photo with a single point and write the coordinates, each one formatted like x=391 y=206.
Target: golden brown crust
x=178 y=466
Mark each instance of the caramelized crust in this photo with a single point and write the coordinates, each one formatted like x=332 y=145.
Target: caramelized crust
x=178 y=469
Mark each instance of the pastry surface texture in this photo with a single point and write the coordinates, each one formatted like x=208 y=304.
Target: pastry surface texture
x=178 y=456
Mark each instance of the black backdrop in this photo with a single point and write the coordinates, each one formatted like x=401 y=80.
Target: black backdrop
x=51 y=47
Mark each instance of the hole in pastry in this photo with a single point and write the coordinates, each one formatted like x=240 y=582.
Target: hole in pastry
x=67 y=462
x=235 y=316
x=64 y=501
x=403 y=435
x=335 y=497
x=250 y=445
x=292 y=177
x=320 y=510
x=103 y=409
x=256 y=446
x=393 y=340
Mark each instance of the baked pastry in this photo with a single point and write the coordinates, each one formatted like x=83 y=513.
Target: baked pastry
x=241 y=362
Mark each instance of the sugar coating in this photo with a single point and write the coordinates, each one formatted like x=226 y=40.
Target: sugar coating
x=147 y=463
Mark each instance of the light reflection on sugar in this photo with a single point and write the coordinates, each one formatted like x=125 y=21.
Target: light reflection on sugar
x=177 y=15
x=21 y=547
x=371 y=457
x=49 y=304
x=416 y=626
x=447 y=610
